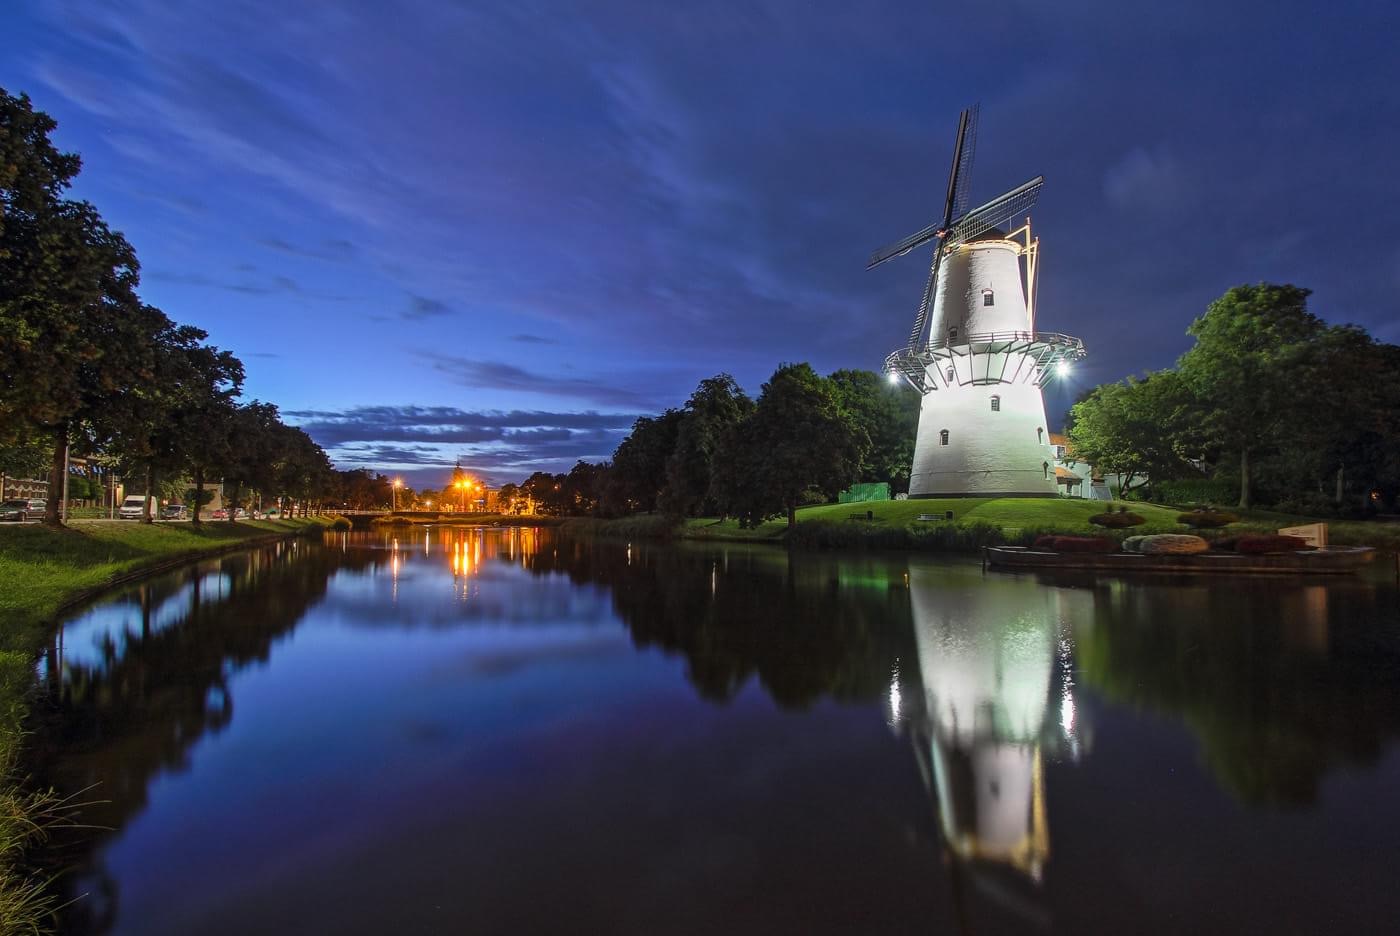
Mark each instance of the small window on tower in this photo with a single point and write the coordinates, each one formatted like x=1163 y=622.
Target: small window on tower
x=1040 y=435
x=1045 y=467
x=988 y=298
x=996 y=404
x=952 y=334
x=943 y=437
x=950 y=375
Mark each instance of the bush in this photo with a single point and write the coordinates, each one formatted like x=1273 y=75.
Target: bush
x=1206 y=518
x=1076 y=544
x=1191 y=491
x=1117 y=521
x=339 y=523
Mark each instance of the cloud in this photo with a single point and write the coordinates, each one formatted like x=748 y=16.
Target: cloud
x=534 y=339
x=336 y=250
x=275 y=285
x=421 y=307
x=499 y=375
x=1148 y=181
x=504 y=444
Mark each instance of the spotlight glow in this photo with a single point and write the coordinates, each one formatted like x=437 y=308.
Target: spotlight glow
x=1062 y=368
x=894 y=377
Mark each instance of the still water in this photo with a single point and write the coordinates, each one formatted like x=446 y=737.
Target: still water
x=471 y=731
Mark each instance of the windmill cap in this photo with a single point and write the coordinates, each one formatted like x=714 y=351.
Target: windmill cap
x=989 y=234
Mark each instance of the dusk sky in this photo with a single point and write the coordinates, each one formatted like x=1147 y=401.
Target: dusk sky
x=501 y=231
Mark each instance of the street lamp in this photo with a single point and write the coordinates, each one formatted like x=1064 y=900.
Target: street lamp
x=395 y=494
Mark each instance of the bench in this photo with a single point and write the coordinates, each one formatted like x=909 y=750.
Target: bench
x=948 y=515
x=868 y=515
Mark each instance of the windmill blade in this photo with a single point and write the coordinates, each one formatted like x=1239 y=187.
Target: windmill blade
x=969 y=153
x=921 y=319
x=958 y=176
x=901 y=247
x=985 y=217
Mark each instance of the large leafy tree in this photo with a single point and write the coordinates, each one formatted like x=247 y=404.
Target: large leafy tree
x=1250 y=346
x=72 y=334
x=889 y=415
x=1132 y=428
x=717 y=403
x=638 y=471
x=798 y=437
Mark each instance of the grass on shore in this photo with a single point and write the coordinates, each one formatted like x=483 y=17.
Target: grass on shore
x=42 y=570
x=977 y=522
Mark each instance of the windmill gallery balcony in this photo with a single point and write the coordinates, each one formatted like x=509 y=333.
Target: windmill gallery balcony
x=985 y=358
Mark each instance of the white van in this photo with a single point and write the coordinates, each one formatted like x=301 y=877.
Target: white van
x=134 y=507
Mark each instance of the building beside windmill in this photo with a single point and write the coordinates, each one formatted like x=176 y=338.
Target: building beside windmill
x=974 y=353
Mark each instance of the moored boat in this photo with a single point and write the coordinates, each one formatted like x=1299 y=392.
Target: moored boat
x=1325 y=560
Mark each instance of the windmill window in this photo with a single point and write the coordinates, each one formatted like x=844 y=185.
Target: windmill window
x=952 y=333
x=950 y=375
x=988 y=297
x=943 y=437
x=1040 y=435
x=996 y=404
x=1045 y=467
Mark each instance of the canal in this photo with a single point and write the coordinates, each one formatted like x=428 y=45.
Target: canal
x=508 y=731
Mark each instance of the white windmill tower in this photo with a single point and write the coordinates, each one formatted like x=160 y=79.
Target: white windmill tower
x=974 y=352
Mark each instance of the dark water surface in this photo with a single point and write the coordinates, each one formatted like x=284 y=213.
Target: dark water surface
x=465 y=731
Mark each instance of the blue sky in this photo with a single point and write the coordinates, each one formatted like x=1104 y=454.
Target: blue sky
x=500 y=231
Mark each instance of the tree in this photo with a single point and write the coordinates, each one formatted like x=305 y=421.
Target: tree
x=1131 y=428
x=889 y=415
x=1243 y=369
x=71 y=334
x=717 y=403
x=797 y=438
x=638 y=471
x=255 y=448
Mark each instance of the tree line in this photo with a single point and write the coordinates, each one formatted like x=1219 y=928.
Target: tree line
x=723 y=454
x=88 y=368
x=1270 y=405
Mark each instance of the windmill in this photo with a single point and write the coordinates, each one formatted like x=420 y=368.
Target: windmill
x=974 y=329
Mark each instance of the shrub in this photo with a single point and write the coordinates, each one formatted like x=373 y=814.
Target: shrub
x=1117 y=521
x=1189 y=491
x=1207 y=518
x=339 y=523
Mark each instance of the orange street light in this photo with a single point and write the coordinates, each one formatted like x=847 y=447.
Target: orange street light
x=394 y=494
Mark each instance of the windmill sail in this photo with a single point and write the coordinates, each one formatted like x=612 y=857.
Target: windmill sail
x=985 y=217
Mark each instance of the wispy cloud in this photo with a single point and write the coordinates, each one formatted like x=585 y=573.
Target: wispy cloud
x=499 y=375
x=421 y=307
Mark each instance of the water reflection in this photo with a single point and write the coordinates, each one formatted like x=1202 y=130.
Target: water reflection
x=455 y=683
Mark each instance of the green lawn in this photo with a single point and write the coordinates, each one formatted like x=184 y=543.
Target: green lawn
x=1016 y=514
x=1010 y=513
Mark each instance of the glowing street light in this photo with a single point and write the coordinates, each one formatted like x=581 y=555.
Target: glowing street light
x=394 y=494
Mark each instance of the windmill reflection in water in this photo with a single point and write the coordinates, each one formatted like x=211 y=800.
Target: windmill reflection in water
x=991 y=698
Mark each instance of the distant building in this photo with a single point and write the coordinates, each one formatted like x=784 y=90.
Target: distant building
x=1071 y=474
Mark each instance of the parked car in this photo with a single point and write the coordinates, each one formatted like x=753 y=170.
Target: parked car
x=134 y=507
x=220 y=514
x=25 y=508
x=174 y=512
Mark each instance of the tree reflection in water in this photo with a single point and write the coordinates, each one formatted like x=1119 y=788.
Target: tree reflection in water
x=1279 y=682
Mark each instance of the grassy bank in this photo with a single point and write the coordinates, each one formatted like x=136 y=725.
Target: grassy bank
x=42 y=571
x=976 y=522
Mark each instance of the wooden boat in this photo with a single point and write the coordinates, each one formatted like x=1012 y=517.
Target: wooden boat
x=1325 y=560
